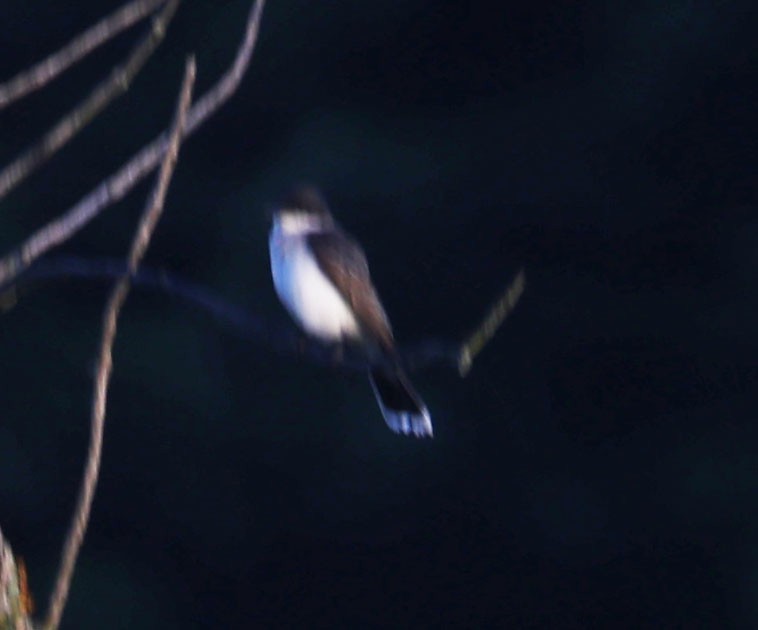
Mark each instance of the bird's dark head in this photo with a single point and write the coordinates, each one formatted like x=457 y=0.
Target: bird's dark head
x=303 y=210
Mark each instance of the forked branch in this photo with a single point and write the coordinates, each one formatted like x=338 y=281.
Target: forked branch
x=120 y=183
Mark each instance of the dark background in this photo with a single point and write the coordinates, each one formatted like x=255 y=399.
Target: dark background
x=597 y=468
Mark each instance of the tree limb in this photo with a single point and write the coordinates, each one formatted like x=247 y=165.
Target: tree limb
x=113 y=306
x=122 y=181
x=279 y=336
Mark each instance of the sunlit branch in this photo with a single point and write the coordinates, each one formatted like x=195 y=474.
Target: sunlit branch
x=490 y=324
x=15 y=601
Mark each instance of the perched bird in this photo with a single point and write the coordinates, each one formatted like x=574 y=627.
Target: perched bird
x=321 y=276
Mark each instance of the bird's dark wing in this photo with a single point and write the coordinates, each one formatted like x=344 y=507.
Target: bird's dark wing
x=344 y=263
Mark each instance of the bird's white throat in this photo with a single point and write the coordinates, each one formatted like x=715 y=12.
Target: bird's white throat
x=293 y=222
x=309 y=296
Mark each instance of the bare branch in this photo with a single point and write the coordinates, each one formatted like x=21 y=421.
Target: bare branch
x=476 y=341
x=122 y=181
x=74 y=121
x=113 y=306
x=45 y=71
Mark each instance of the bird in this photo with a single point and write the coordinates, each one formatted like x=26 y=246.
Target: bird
x=321 y=276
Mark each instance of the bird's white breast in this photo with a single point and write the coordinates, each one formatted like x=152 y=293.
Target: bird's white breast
x=305 y=291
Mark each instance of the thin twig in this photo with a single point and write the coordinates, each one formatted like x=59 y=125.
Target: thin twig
x=494 y=318
x=113 y=306
x=101 y=96
x=39 y=75
x=122 y=181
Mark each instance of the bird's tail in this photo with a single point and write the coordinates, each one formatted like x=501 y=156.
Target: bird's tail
x=403 y=410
